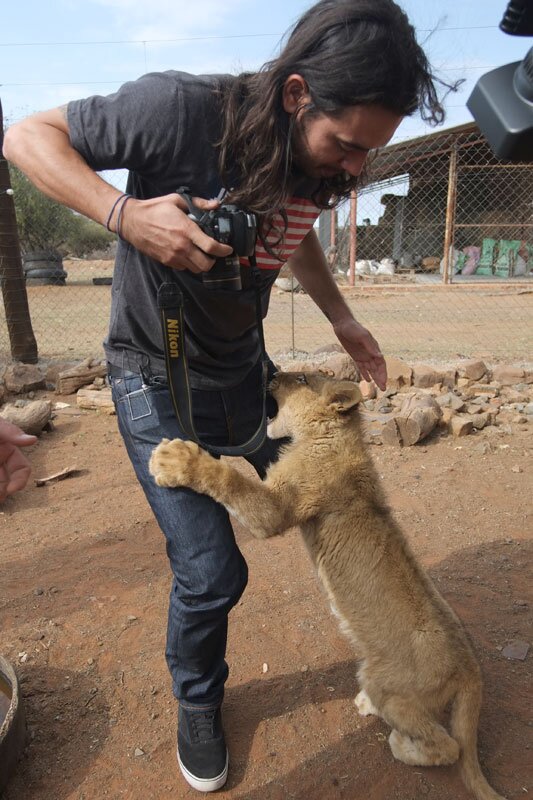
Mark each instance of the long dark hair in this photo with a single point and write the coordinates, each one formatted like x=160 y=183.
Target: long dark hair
x=350 y=52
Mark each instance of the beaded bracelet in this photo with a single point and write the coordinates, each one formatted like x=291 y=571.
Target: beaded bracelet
x=110 y=216
x=119 y=217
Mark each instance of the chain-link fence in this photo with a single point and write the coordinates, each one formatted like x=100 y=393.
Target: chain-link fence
x=443 y=208
x=435 y=256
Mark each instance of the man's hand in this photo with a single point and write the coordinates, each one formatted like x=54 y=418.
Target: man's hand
x=363 y=348
x=162 y=229
x=15 y=468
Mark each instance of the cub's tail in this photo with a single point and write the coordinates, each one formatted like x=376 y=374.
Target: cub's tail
x=464 y=723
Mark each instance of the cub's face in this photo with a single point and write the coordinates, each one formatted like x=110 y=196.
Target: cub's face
x=308 y=400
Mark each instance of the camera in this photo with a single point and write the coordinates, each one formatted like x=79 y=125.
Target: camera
x=229 y=225
x=502 y=100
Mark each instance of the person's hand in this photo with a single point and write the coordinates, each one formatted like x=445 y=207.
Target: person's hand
x=162 y=229
x=363 y=348
x=15 y=468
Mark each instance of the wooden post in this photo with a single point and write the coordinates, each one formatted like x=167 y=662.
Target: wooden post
x=450 y=213
x=353 y=236
x=21 y=336
x=333 y=228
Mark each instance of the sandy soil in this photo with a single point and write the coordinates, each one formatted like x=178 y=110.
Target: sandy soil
x=83 y=611
x=413 y=321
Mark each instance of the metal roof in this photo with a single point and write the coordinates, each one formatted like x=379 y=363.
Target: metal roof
x=397 y=159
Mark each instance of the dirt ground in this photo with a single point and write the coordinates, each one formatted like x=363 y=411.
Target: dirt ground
x=419 y=321
x=84 y=584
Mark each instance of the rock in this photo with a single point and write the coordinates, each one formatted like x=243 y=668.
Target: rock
x=30 y=417
x=484 y=389
x=399 y=374
x=461 y=425
x=474 y=370
x=70 y=380
x=340 y=366
x=479 y=421
x=476 y=408
x=97 y=399
x=508 y=376
x=512 y=396
x=451 y=400
x=334 y=347
x=516 y=649
x=300 y=366
x=462 y=383
x=418 y=416
x=368 y=390
x=528 y=409
x=53 y=370
x=424 y=376
x=449 y=378
x=289 y=284
x=447 y=414
x=484 y=448
x=21 y=378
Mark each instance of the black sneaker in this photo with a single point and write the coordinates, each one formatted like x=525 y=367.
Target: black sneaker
x=202 y=751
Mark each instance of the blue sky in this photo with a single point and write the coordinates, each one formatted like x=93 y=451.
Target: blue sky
x=59 y=50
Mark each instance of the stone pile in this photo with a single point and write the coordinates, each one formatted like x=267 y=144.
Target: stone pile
x=19 y=384
x=458 y=399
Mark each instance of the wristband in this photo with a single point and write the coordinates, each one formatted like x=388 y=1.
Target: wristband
x=126 y=197
x=110 y=216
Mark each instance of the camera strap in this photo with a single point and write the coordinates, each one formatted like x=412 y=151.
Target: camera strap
x=170 y=302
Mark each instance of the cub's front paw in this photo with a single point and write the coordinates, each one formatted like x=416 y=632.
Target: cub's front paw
x=173 y=462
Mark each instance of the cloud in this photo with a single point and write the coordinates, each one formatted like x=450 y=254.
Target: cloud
x=169 y=19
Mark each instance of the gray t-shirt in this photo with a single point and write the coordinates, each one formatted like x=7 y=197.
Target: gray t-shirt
x=164 y=129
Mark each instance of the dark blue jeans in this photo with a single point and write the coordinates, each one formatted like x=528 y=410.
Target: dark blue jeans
x=209 y=571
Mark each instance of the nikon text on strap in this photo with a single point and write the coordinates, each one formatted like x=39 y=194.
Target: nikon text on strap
x=170 y=302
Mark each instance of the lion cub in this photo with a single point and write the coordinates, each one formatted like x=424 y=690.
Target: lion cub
x=415 y=657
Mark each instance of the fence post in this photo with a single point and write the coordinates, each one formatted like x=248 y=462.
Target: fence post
x=353 y=236
x=21 y=336
x=333 y=228
x=450 y=212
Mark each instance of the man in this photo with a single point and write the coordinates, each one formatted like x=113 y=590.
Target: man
x=286 y=141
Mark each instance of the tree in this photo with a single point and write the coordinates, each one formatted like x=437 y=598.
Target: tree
x=51 y=227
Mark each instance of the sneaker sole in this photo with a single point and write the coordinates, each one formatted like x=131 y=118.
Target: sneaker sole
x=204 y=784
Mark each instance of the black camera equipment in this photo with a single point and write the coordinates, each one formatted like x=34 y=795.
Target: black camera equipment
x=229 y=225
x=238 y=229
x=502 y=100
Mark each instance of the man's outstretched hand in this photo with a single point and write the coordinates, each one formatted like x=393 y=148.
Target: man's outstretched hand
x=363 y=348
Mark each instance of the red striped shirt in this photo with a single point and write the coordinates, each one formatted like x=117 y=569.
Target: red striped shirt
x=301 y=216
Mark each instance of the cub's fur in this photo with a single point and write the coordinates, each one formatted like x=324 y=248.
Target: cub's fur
x=415 y=657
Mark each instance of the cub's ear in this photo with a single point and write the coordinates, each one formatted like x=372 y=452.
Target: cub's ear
x=342 y=396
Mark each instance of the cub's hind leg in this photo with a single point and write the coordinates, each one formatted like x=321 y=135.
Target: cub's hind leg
x=420 y=753
x=417 y=738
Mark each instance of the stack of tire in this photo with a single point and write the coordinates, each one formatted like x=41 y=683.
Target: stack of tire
x=44 y=268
